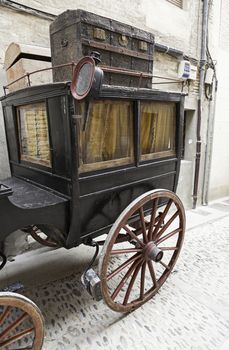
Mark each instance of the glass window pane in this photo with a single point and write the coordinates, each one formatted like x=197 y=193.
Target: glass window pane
x=158 y=128
x=33 y=133
x=108 y=136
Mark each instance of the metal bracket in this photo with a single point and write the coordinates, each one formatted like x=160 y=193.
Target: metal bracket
x=92 y=284
x=90 y=279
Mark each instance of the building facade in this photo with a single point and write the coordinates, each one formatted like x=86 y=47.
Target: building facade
x=178 y=29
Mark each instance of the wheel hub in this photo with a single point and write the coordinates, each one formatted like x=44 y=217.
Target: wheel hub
x=152 y=252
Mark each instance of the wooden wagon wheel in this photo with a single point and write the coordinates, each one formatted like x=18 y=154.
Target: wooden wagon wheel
x=21 y=323
x=41 y=237
x=3 y=260
x=132 y=272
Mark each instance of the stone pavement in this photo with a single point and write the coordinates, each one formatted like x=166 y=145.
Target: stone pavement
x=191 y=310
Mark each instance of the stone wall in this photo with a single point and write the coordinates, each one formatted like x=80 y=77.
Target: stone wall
x=172 y=26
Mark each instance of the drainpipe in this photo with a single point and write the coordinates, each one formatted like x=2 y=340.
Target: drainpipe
x=209 y=144
x=200 y=99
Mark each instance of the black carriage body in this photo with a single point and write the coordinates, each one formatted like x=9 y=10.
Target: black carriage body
x=80 y=203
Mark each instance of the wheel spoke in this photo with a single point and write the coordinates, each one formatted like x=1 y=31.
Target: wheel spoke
x=133 y=278
x=13 y=325
x=123 y=266
x=168 y=248
x=132 y=235
x=124 y=251
x=5 y=314
x=152 y=219
x=141 y=213
x=142 y=288
x=162 y=239
x=16 y=337
x=124 y=279
x=164 y=228
x=152 y=273
x=162 y=217
x=163 y=264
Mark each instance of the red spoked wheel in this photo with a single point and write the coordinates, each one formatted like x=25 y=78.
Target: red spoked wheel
x=41 y=237
x=132 y=271
x=21 y=323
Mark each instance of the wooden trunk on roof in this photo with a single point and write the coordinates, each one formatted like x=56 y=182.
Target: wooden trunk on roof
x=76 y=33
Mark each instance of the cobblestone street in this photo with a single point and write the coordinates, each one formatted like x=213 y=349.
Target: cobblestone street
x=191 y=311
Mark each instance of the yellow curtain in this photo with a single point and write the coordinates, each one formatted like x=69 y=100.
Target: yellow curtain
x=109 y=132
x=158 y=125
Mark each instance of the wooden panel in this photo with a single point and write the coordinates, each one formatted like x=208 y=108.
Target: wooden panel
x=178 y=3
x=59 y=135
x=11 y=135
x=101 y=209
x=90 y=184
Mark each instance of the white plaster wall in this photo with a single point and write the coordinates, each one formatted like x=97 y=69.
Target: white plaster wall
x=219 y=179
x=171 y=25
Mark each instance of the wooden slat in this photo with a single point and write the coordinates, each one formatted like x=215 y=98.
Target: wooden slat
x=178 y=3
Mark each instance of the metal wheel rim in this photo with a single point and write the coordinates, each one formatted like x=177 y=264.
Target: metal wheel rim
x=110 y=241
x=15 y=300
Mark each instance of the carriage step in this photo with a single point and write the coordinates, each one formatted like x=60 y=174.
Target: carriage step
x=91 y=283
x=5 y=190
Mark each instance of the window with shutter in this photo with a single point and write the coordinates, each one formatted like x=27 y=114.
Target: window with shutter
x=178 y=3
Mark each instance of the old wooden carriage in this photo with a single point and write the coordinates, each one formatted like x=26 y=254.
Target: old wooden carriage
x=94 y=164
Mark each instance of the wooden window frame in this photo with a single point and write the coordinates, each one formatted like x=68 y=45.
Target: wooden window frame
x=136 y=159
x=113 y=163
x=162 y=154
x=30 y=159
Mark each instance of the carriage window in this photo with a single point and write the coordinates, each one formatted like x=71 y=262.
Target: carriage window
x=33 y=133
x=158 y=125
x=107 y=139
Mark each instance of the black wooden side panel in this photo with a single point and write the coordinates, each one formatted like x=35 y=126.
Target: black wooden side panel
x=100 y=210
x=57 y=110
x=100 y=182
x=11 y=133
x=48 y=180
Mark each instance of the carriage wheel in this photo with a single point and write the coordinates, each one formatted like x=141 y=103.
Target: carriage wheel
x=131 y=272
x=3 y=260
x=41 y=237
x=21 y=323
